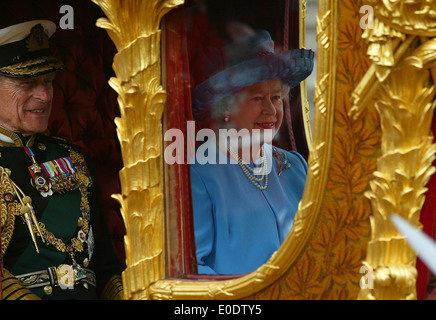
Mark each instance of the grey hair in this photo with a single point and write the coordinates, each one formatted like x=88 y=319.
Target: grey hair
x=221 y=107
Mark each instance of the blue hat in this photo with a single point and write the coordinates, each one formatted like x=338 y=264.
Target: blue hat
x=248 y=62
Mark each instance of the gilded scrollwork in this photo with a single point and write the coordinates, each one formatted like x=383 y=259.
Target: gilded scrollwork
x=134 y=28
x=400 y=86
x=406 y=104
x=408 y=16
x=323 y=28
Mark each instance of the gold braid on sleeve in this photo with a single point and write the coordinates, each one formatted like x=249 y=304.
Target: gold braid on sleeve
x=113 y=289
x=9 y=208
x=12 y=289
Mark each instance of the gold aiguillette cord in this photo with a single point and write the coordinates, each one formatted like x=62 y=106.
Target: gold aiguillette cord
x=28 y=214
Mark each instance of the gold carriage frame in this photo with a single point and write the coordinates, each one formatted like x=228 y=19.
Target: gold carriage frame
x=371 y=155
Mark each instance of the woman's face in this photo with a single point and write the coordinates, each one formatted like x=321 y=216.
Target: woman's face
x=259 y=106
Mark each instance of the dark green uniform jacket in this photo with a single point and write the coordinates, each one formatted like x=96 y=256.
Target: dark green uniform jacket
x=59 y=215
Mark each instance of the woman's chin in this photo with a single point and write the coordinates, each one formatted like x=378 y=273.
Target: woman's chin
x=263 y=135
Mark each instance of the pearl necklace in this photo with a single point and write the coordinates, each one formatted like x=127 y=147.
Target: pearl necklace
x=248 y=170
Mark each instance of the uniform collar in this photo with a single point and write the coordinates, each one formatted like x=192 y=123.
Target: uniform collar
x=12 y=139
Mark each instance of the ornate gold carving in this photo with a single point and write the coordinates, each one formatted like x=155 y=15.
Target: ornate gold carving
x=323 y=28
x=366 y=90
x=134 y=28
x=406 y=106
x=409 y=16
x=320 y=92
x=305 y=109
x=403 y=94
x=303 y=85
x=383 y=41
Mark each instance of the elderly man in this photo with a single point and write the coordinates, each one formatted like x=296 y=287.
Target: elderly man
x=55 y=243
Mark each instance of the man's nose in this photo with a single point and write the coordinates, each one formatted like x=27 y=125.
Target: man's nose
x=43 y=93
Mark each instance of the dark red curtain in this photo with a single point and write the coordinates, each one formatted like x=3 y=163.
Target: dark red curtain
x=180 y=257
x=428 y=218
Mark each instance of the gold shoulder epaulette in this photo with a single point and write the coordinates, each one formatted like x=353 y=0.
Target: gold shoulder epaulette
x=113 y=289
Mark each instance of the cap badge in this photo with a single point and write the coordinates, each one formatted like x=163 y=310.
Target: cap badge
x=37 y=40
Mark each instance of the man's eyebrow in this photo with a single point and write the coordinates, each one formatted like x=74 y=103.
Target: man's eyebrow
x=23 y=80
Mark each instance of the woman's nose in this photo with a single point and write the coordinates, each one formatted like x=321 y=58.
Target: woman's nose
x=268 y=106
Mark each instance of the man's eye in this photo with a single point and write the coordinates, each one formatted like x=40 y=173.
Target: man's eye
x=27 y=84
x=49 y=79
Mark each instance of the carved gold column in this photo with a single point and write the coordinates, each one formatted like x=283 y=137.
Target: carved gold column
x=133 y=26
x=401 y=80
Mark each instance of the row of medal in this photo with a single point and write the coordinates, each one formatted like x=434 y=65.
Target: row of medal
x=58 y=175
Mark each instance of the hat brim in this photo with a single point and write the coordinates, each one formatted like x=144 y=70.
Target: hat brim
x=32 y=68
x=292 y=67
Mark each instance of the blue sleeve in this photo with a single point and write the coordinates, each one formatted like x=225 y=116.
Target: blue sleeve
x=204 y=229
x=300 y=160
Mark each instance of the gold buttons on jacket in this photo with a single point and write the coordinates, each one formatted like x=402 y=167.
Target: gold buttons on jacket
x=48 y=290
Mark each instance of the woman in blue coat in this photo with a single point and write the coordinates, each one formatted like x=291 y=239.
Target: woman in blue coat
x=246 y=195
